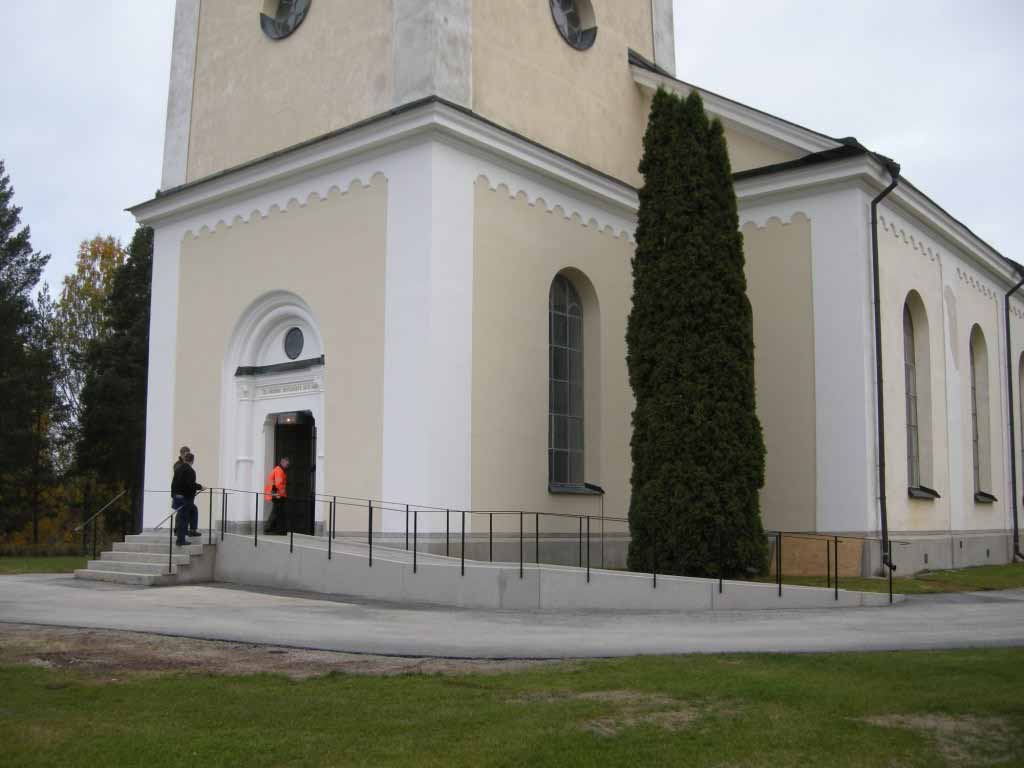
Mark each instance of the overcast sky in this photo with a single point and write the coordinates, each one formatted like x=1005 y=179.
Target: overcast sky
x=934 y=84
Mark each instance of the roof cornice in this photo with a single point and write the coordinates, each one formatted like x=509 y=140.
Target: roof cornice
x=419 y=121
x=870 y=173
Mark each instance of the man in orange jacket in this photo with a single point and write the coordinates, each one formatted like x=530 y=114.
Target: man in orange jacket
x=276 y=493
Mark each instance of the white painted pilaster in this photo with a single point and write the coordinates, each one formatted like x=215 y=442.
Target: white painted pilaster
x=163 y=334
x=179 y=97
x=428 y=332
x=844 y=367
x=664 y=35
x=845 y=425
x=433 y=50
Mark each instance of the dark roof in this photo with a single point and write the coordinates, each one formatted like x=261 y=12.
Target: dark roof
x=815 y=158
x=850 y=147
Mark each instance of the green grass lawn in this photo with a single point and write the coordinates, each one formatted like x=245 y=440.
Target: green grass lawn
x=886 y=709
x=16 y=565
x=982 y=578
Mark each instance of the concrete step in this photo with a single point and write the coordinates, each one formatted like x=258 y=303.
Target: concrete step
x=119 y=577
x=158 y=537
x=145 y=557
x=117 y=566
x=134 y=546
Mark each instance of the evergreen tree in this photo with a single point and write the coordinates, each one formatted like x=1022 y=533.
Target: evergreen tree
x=26 y=369
x=112 y=439
x=698 y=450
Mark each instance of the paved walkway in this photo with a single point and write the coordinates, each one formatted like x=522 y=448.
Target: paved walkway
x=219 y=612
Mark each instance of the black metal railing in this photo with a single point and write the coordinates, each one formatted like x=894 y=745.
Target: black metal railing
x=832 y=543
x=521 y=533
x=92 y=525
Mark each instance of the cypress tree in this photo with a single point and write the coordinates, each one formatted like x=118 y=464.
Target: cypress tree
x=697 y=446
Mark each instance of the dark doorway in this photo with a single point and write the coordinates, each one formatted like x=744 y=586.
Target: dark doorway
x=295 y=437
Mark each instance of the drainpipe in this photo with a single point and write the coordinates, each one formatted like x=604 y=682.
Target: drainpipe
x=1009 y=395
x=894 y=171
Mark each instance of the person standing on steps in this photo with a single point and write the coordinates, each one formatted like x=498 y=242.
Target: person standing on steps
x=276 y=493
x=193 y=523
x=183 y=490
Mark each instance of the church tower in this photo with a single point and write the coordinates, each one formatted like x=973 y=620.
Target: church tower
x=386 y=234
x=254 y=77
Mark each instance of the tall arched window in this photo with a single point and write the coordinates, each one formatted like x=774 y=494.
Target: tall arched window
x=1020 y=396
x=918 y=398
x=565 y=404
x=981 y=446
x=910 y=372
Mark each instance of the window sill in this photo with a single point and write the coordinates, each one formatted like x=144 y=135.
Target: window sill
x=923 y=492
x=984 y=497
x=586 y=489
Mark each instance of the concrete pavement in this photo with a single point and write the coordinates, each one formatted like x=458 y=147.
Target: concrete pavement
x=217 y=612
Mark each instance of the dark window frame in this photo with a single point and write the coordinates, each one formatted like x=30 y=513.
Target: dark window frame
x=569 y=20
x=911 y=396
x=565 y=386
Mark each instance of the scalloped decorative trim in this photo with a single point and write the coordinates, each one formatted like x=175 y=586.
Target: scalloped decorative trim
x=898 y=231
x=264 y=208
x=764 y=219
x=923 y=245
x=535 y=198
x=763 y=224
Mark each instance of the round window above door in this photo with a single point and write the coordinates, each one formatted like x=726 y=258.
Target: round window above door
x=280 y=18
x=576 y=22
x=294 y=341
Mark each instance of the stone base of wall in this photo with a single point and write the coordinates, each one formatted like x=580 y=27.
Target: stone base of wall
x=936 y=552
x=813 y=555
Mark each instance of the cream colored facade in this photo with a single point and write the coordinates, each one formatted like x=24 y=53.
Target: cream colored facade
x=342 y=235
x=519 y=248
x=250 y=96
x=404 y=180
x=779 y=284
x=957 y=296
x=254 y=96
x=582 y=104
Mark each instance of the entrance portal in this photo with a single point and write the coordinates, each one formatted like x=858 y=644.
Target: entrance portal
x=295 y=438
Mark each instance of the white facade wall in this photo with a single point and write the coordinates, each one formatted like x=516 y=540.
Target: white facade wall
x=431 y=161
x=960 y=288
x=959 y=291
x=846 y=489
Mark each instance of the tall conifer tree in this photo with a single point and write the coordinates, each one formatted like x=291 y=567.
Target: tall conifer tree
x=26 y=369
x=113 y=426
x=698 y=450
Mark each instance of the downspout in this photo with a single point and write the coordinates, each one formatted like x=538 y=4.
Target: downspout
x=894 y=171
x=1013 y=437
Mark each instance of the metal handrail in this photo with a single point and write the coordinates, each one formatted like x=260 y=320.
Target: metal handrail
x=527 y=534
x=104 y=509
x=828 y=536
x=392 y=506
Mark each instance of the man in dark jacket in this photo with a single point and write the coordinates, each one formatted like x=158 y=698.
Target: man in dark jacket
x=193 y=523
x=183 y=490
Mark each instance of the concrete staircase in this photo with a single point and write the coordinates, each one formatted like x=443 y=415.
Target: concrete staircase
x=141 y=560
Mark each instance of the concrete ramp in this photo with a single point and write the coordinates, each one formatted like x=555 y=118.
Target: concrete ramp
x=400 y=577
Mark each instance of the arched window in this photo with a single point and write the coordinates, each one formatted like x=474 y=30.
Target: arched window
x=918 y=398
x=910 y=372
x=981 y=445
x=1020 y=396
x=565 y=399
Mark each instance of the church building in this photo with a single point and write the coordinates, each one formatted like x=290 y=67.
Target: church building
x=393 y=242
